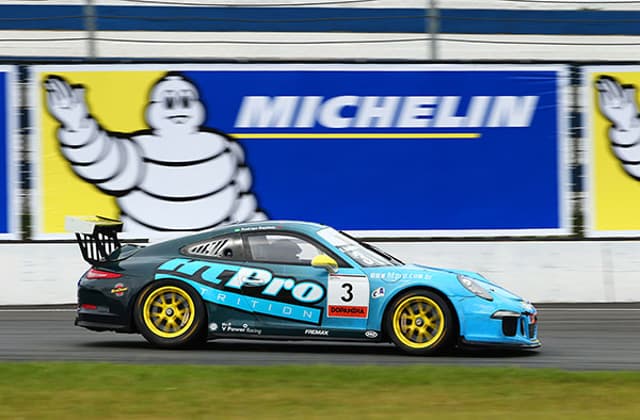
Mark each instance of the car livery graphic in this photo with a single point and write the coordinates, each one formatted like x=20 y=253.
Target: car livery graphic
x=174 y=176
x=287 y=280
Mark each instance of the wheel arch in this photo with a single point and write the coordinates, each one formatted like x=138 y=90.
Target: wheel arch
x=150 y=283
x=394 y=298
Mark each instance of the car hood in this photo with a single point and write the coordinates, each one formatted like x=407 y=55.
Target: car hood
x=413 y=273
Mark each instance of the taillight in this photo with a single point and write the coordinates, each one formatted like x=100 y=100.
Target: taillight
x=94 y=274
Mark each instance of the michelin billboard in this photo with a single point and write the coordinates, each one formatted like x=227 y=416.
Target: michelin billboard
x=379 y=150
x=9 y=213
x=612 y=150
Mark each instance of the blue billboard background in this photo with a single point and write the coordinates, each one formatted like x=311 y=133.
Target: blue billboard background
x=5 y=190
x=507 y=179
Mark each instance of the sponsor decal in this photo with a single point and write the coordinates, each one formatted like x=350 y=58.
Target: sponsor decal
x=377 y=293
x=371 y=334
x=255 y=228
x=213 y=327
x=350 y=111
x=313 y=331
x=119 y=289
x=613 y=143
x=348 y=296
x=395 y=276
x=158 y=143
x=348 y=311
x=248 y=289
x=227 y=327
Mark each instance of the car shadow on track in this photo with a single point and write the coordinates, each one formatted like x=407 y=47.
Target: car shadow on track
x=256 y=346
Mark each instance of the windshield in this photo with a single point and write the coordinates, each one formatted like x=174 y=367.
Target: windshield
x=364 y=254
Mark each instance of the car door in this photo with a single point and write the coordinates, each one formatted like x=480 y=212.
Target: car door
x=308 y=300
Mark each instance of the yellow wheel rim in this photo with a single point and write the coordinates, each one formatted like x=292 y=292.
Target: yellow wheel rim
x=168 y=312
x=418 y=322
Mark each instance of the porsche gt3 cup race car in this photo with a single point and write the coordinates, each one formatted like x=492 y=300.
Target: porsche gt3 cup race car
x=287 y=280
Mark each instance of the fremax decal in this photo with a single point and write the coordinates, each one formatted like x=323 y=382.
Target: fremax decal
x=248 y=289
x=619 y=105
x=174 y=175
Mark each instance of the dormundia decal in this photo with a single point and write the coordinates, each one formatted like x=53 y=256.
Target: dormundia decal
x=348 y=296
x=119 y=289
x=317 y=332
x=350 y=111
x=249 y=289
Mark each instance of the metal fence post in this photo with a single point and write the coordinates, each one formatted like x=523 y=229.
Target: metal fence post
x=90 y=26
x=433 y=18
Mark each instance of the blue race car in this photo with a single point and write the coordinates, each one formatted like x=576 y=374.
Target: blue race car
x=287 y=280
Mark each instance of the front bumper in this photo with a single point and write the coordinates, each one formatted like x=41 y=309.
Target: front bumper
x=514 y=326
x=491 y=345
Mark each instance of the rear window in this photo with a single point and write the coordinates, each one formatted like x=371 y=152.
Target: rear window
x=226 y=248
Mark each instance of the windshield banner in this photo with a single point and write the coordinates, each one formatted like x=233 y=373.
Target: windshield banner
x=395 y=150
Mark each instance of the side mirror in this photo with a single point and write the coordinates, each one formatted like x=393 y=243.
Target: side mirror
x=326 y=262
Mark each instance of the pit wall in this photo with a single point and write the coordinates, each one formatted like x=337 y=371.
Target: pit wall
x=544 y=272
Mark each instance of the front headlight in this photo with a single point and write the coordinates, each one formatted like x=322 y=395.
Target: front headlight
x=472 y=286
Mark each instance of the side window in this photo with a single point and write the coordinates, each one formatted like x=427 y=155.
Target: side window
x=279 y=248
x=226 y=248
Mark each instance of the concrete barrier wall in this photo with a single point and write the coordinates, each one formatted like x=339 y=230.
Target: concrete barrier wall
x=585 y=271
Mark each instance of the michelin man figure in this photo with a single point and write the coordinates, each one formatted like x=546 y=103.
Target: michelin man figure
x=176 y=176
x=618 y=104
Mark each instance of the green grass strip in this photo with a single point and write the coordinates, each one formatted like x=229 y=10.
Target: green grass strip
x=121 y=391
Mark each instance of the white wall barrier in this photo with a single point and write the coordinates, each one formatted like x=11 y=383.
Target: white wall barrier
x=585 y=271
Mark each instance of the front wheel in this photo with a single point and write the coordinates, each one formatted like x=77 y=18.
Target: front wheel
x=420 y=322
x=170 y=314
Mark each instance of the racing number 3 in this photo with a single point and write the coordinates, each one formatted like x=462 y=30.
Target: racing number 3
x=348 y=296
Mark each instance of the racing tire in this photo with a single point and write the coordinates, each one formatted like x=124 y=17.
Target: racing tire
x=420 y=322
x=170 y=314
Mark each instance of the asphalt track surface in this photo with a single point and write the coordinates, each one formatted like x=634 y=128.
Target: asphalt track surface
x=575 y=337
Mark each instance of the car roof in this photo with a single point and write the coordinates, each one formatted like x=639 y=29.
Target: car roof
x=308 y=228
x=294 y=225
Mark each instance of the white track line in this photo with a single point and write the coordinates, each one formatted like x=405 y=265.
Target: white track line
x=37 y=310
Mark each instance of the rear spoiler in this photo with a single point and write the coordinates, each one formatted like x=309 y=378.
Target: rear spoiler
x=97 y=236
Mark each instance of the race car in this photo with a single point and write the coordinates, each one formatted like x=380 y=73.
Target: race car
x=287 y=280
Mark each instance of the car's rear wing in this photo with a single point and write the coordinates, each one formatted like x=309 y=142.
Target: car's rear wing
x=97 y=236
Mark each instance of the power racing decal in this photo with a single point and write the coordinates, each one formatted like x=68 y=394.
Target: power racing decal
x=248 y=289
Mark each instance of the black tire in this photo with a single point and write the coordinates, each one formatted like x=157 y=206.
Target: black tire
x=420 y=322
x=170 y=314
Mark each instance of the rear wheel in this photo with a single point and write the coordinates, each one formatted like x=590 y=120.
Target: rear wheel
x=170 y=314
x=420 y=322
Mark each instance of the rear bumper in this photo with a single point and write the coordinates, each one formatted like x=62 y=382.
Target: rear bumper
x=102 y=322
